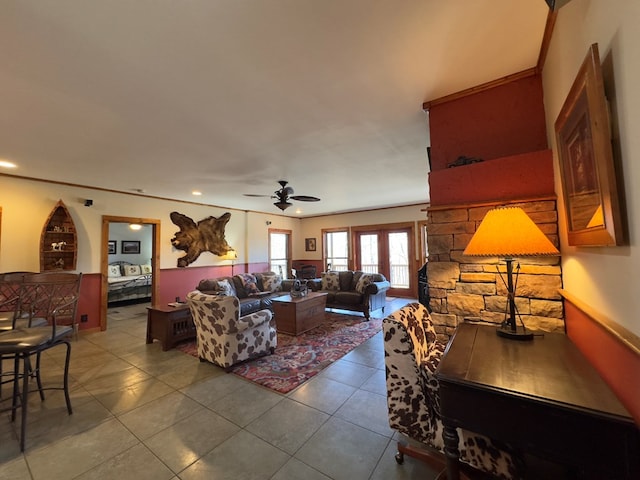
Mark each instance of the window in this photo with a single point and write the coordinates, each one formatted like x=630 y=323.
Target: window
x=336 y=250
x=280 y=251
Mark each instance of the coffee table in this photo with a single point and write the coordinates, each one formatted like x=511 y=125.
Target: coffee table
x=296 y=315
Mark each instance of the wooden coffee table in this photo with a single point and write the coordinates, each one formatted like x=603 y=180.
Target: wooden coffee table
x=295 y=315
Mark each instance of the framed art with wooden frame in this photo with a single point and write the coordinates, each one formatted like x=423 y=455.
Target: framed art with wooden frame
x=587 y=170
x=310 y=244
x=130 y=246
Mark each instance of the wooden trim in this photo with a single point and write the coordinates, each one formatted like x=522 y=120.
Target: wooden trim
x=492 y=204
x=530 y=72
x=546 y=39
x=618 y=331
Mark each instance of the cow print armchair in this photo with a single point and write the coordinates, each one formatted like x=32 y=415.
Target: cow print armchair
x=412 y=355
x=224 y=337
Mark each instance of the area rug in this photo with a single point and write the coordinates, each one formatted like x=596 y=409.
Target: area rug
x=297 y=359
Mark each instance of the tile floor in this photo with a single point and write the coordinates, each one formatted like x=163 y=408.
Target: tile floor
x=141 y=413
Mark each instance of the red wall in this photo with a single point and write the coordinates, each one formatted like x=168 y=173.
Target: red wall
x=524 y=176
x=173 y=282
x=499 y=122
x=618 y=365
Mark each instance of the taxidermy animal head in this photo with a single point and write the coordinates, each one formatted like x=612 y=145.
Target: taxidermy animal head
x=205 y=236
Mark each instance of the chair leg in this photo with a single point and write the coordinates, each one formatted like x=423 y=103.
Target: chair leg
x=66 y=377
x=23 y=401
x=16 y=389
x=36 y=373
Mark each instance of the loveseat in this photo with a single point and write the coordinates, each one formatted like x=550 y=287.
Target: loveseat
x=253 y=290
x=352 y=290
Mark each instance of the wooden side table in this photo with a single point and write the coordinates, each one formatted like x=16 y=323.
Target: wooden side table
x=295 y=315
x=169 y=324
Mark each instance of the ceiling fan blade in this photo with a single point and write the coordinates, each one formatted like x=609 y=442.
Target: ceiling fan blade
x=304 y=198
x=257 y=195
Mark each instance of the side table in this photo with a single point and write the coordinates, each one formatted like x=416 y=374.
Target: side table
x=169 y=325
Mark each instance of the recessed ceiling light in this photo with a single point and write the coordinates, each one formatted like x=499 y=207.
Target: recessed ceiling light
x=135 y=226
x=7 y=164
x=196 y=193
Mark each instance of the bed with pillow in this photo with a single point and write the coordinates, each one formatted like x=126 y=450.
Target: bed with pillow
x=129 y=282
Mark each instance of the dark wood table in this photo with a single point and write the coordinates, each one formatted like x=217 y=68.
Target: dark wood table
x=169 y=324
x=542 y=397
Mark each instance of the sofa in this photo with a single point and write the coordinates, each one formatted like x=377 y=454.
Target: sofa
x=253 y=290
x=352 y=290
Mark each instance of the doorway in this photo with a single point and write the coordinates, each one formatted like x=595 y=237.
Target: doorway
x=388 y=250
x=104 y=259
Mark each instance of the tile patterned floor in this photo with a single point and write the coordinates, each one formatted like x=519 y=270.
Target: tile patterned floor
x=141 y=413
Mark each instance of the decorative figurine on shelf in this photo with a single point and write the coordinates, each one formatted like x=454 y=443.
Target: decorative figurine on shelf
x=59 y=263
x=57 y=247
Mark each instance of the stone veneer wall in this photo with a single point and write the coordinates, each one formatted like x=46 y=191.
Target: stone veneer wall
x=470 y=288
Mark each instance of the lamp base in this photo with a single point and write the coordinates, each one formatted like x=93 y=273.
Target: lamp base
x=521 y=333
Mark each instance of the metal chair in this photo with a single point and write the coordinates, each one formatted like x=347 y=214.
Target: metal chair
x=52 y=297
x=12 y=312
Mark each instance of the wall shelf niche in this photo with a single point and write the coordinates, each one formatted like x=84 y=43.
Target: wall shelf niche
x=59 y=241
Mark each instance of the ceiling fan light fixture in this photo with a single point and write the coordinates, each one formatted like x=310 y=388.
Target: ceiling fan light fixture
x=282 y=205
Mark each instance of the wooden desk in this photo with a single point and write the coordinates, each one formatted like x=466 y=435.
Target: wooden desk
x=542 y=397
x=169 y=324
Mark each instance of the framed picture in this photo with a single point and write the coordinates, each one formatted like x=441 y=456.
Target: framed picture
x=130 y=246
x=587 y=169
x=112 y=247
x=310 y=244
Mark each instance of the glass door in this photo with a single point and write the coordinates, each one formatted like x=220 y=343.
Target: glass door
x=387 y=251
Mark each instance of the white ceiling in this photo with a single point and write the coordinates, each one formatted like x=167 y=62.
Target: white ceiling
x=229 y=96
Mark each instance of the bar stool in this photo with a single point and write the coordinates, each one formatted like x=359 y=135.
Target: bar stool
x=49 y=296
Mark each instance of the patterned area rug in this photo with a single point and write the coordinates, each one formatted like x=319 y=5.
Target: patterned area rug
x=297 y=359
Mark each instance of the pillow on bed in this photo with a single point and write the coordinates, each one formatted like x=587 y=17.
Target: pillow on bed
x=131 y=270
x=145 y=269
x=114 y=271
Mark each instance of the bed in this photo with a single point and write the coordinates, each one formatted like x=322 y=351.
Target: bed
x=128 y=282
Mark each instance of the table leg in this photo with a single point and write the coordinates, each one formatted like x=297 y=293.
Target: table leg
x=450 y=437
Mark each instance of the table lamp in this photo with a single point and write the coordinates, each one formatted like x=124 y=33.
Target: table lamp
x=508 y=232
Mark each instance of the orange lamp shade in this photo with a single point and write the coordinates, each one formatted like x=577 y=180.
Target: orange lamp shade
x=509 y=232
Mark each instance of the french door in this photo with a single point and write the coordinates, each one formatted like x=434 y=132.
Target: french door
x=388 y=251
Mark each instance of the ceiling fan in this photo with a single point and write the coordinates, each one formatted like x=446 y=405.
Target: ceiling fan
x=284 y=195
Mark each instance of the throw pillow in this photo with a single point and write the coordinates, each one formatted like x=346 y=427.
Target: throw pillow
x=145 y=269
x=330 y=281
x=114 y=271
x=249 y=282
x=272 y=283
x=224 y=288
x=131 y=270
x=364 y=281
